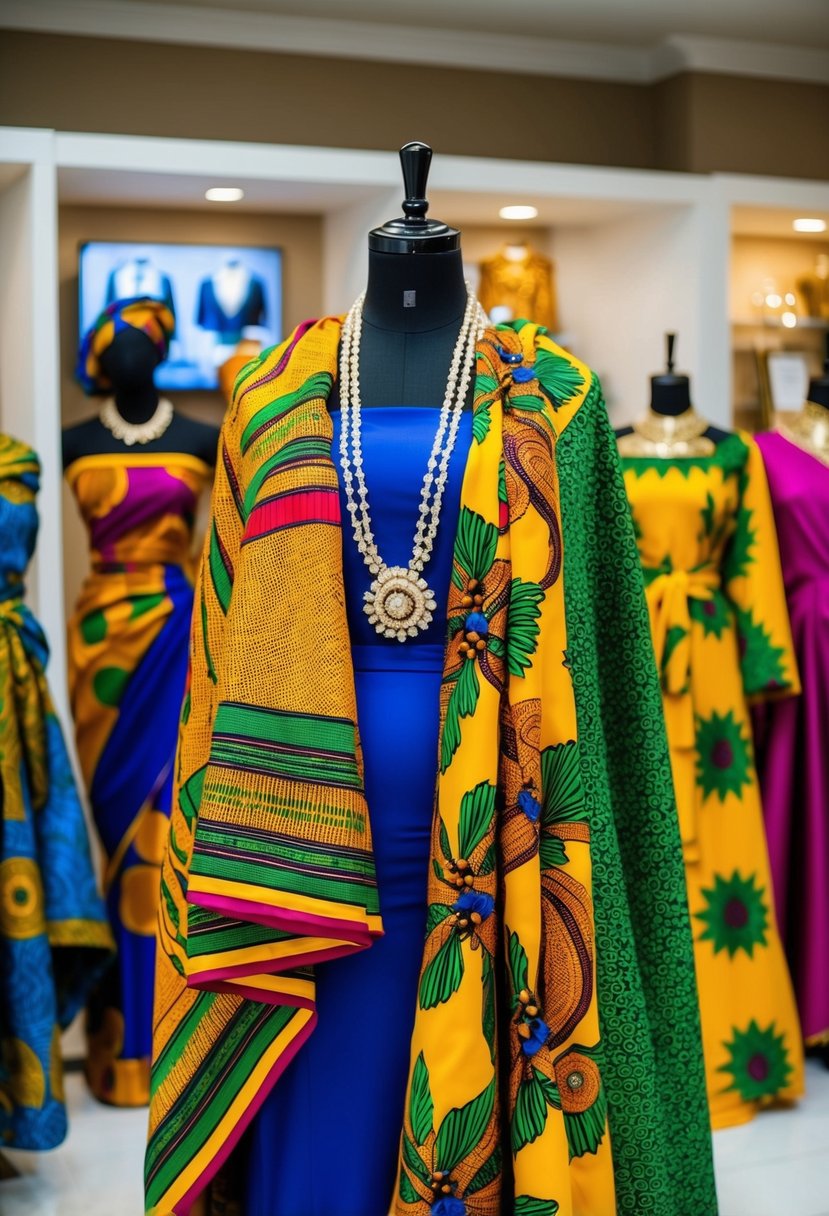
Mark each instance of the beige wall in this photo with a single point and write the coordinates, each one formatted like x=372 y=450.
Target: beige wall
x=749 y=125
x=298 y=236
x=697 y=122
x=83 y=84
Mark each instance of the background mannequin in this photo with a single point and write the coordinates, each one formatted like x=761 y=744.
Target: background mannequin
x=721 y=637
x=519 y=282
x=129 y=365
x=139 y=276
x=128 y=655
x=229 y=300
x=671 y=397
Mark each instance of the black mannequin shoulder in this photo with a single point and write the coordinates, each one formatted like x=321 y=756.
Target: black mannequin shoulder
x=713 y=433
x=91 y=438
x=82 y=439
x=189 y=435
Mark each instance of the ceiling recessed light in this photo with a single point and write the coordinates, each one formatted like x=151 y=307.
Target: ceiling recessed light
x=224 y=194
x=809 y=225
x=518 y=212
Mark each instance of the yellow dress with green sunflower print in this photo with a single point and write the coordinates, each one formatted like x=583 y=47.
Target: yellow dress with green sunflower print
x=706 y=538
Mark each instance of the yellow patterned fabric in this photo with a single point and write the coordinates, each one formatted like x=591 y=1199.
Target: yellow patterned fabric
x=269 y=870
x=721 y=634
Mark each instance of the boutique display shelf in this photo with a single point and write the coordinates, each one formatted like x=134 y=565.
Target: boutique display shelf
x=636 y=253
x=774 y=323
x=766 y=254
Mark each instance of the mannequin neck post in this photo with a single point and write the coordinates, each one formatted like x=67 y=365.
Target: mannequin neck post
x=670 y=395
x=129 y=364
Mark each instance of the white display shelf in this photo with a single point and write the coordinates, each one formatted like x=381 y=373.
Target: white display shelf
x=775 y=323
x=636 y=252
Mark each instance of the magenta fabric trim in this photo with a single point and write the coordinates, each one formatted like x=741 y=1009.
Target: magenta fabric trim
x=205 y=978
x=282 y=918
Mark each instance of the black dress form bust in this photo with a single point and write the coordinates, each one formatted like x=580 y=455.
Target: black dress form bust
x=129 y=364
x=406 y=351
x=415 y=301
x=671 y=395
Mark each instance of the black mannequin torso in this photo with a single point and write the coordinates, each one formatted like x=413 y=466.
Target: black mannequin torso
x=129 y=364
x=412 y=316
x=819 y=388
x=712 y=432
x=670 y=397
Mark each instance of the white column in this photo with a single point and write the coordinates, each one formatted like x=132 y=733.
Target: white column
x=345 y=245
x=29 y=360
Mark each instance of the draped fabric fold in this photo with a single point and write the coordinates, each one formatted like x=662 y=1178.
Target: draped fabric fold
x=127 y=667
x=269 y=869
x=790 y=735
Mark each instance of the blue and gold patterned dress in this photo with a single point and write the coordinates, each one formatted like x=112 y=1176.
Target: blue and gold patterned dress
x=54 y=937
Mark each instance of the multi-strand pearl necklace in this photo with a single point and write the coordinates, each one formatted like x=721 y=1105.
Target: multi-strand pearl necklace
x=400 y=602
x=131 y=433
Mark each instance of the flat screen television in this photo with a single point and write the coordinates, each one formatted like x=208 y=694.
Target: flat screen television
x=217 y=293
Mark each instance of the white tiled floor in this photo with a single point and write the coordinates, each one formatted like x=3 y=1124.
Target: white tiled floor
x=778 y=1165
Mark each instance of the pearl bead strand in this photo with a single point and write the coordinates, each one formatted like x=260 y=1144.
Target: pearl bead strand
x=400 y=602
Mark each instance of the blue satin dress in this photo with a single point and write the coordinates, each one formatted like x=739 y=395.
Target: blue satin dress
x=326 y=1140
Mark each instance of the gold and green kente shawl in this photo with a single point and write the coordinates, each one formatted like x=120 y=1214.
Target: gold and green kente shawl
x=556 y=1064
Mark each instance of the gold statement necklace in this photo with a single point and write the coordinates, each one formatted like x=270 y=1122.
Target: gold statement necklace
x=808 y=429
x=667 y=436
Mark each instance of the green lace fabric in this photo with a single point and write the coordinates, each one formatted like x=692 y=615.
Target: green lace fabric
x=648 y=1003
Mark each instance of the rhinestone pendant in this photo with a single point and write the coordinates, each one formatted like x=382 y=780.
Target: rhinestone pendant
x=400 y=603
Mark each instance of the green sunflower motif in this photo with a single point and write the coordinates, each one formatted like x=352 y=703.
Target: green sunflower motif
x=713 y=614
x=759 y=1062
x=709 y=515
x=723 y=756
x=735 y=915
x=676 y=634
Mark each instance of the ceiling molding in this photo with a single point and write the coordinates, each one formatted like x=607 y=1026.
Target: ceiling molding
x=684 y=53
x=149 y=21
